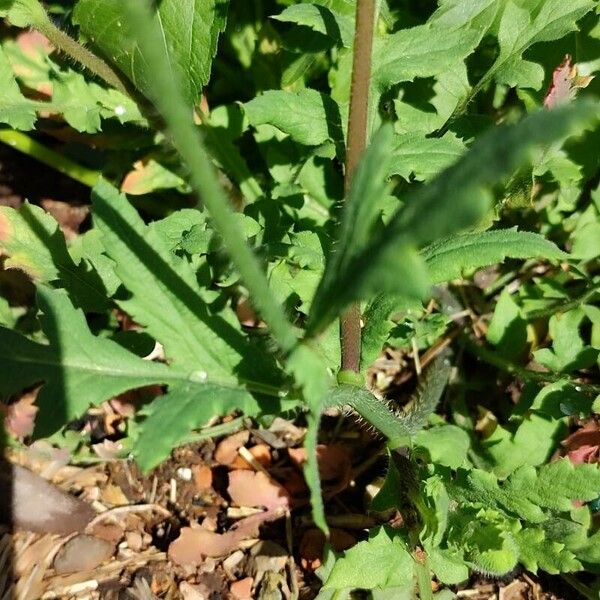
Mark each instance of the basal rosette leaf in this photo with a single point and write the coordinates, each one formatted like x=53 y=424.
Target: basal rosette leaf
x=449 y=258
x=166 y=299
x=455 y=200
x=189 y=28
x=33 y=243
x=78 y=369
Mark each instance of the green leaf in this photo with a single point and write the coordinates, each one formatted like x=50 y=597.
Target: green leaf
x=528 y=491
x=421 y=51
x=424 y=157
x=454 y=200
x=508 y=329
x=527 y=22
x=377 y=325
x=356 y=231
x=382 y=561
x=448 y=258
x=448 y=91
x=536 y=552
x=445 y=445
x=487 y=539
x=307 y=116
x=320 y=19
x=189 y=28
x=171 y=418
x=311 y=376
x=15 y=109
x=22 y=13
x=166 y=298
x=78 y=369
x=34 y=244
x=569 y=352
x=448 y=565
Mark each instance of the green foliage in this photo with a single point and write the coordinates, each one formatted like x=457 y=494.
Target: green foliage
x=248 y=109
x=189 y=31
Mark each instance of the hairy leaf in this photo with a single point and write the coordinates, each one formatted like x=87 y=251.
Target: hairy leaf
x=448 y=258
x=536 y=552
x=527 y=22
x=307 y=116
x=453 y=201
x=528 y=492
x=382 y=561
x=78 y=369
x=190 y=30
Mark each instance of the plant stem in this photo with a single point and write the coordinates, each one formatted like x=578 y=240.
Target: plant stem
x=187 y=140
x=350 y=330
x=63 y=42
x=23 y=143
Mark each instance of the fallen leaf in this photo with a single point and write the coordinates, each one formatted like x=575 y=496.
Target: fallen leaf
x=334 y=461
x=203 y=477
x=313 y=543
x=255 y=489
x=583 y=445
x=193 y=544
x=82 y=553
x=69 y=217
x=242 y=589
x=227 y=450
x=19 y=417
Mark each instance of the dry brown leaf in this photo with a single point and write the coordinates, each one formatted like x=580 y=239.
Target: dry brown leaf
x=19 y=417
x=242 y=589
x=203 y=477
x=248 y=488
x=82 y=553
x=227 y=450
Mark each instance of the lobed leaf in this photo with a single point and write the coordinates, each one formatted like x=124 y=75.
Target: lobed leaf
x=78 y=369
x=166 y=298
x=189 y=28
x=307 y=116
x=449 y=258
x=454 y=200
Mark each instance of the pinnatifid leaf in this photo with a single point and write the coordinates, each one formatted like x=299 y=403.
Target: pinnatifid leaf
x=307 y=116
x=450 y=258
x=382 y=561
x=78 y=369
x=190 y=30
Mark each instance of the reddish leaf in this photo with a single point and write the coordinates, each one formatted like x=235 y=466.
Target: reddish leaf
x=565 y=82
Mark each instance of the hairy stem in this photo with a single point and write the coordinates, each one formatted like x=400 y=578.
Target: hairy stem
x=187 y=140
x=350 y=331
x=60 y=40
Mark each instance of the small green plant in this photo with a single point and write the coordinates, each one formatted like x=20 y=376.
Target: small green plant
x=366 y=178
